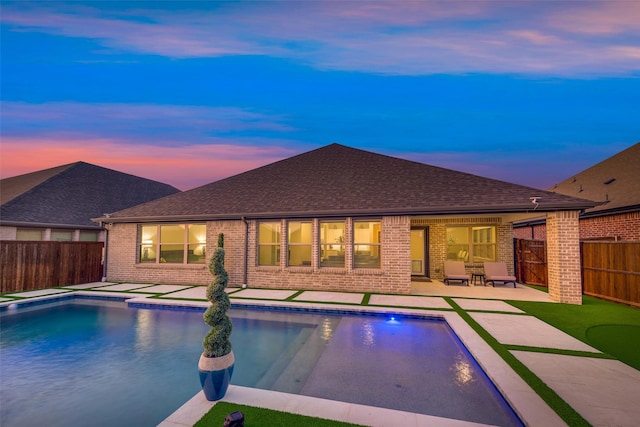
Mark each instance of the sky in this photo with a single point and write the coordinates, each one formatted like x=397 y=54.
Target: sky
x=187 y=93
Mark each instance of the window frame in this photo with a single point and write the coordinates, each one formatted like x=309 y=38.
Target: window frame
x=471 y=247
x=157 y=245
x=373 y=245
x=298 y=245
x=338 y=246
x=274 y=245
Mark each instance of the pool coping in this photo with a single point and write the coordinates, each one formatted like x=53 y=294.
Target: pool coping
x=526 y=403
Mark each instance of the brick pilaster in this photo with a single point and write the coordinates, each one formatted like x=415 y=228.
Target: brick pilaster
x=563 y=257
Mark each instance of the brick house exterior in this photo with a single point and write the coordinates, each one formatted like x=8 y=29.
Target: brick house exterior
x=614 y=184
x=395 y=220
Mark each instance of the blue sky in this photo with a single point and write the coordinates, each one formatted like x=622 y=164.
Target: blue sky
x=191 y=92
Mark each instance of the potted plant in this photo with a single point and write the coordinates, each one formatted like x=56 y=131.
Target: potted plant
x=217 y=360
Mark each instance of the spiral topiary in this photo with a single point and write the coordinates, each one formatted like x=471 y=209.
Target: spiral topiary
x=216 y=343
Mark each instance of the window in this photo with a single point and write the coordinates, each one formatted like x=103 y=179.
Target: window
x=366 y=244
x=176 y=244
x=62 y=235
x=269 y=243
x=88 y=236
x=300 y=237
x=28 y=234
x=332 y=243
x=471 y=244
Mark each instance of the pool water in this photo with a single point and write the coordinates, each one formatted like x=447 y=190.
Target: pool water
x=84 y=362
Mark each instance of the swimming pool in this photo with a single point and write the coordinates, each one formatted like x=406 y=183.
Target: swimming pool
x=85 y=362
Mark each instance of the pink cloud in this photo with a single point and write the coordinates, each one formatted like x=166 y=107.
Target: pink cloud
x=599 y=18
x=388 y=37
x=184 y=167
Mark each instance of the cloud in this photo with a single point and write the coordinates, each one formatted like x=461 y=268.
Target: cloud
x=159 y=123
x=385 y=37
x=184 y=167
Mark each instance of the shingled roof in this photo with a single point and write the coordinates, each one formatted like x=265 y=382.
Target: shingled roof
x=336 y=180
x=70 y=195
x=614 y=181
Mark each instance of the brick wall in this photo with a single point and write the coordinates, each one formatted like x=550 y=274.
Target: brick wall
x=122 y=265
x=394 y=275
x=563 y=257
x=615 y=227
x=620 y=227
x=533 y=232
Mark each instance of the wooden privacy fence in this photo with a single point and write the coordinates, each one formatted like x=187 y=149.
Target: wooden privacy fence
x=531 y=261
x=611 y=270
x=37 y=265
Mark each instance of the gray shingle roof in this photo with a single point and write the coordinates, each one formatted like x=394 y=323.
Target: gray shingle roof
x=336 y=180
x=70 y=195
x=615 y=181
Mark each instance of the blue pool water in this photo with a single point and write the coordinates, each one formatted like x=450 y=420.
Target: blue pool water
x=84 y=362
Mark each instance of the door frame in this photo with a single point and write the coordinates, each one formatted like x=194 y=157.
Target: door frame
x=425 y=228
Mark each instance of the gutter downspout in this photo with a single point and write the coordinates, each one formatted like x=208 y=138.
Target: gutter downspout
x=246 y=252
x=106 y=250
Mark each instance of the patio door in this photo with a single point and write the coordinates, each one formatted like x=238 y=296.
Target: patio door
x=419 y=252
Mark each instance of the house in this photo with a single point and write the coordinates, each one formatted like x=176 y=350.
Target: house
x=339 y=218
x=58 y=203
x=614 y=184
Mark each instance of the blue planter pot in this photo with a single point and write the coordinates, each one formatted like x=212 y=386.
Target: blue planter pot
x=215 y=375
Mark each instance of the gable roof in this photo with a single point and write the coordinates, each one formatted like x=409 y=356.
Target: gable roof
x=70 y=195
x=336 y=180
x=614 y=181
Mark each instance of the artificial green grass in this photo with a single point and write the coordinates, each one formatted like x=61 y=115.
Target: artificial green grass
x=261 y=417
x=609 y=327
x=562 y=408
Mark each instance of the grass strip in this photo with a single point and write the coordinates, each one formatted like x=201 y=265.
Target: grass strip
x=292 y=297
x=555 y=402
x=558 y=351
x=610 y=327
x=261 y=417
x=366 y=298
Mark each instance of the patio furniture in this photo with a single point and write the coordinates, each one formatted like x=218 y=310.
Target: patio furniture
x=454 y=270
x=475 y=277
x=497 y=272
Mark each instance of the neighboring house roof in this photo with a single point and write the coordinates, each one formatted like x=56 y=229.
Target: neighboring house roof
x=336 y=180
x=70 y=195
x=614 y=181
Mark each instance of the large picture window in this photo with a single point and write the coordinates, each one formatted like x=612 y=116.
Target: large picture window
x=175 y=243
x=332 y=243
x=269 y=243
x=300 y=242
x=471 y=244
x=366 y=244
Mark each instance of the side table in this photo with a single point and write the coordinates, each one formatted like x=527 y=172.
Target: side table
x=476 y=276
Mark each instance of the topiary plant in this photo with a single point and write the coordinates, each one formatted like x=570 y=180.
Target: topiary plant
x=216 y=343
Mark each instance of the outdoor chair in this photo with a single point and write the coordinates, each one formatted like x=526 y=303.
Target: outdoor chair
x=497 y=272
x=454 y=270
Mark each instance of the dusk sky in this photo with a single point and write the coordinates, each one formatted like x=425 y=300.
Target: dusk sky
x=187 y=93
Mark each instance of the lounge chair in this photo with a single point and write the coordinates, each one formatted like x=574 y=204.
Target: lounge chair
x=454 y=270
x=497 y=272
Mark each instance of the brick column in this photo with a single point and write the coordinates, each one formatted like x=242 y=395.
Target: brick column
x=563 y=257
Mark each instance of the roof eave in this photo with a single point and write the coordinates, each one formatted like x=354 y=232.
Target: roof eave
x=27 y=224
x=427 y=211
